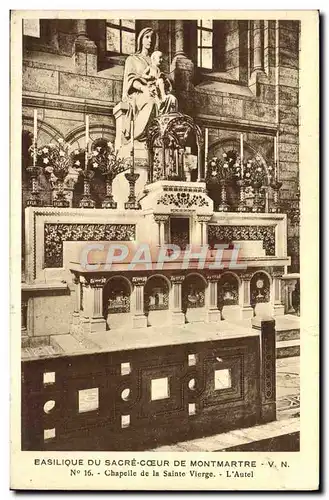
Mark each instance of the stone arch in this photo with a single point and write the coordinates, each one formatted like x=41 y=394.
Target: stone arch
x=76 y=137
x=217 y=148
x=116 y=295
x=46 y=133
x=193 y=290
x=228 y=290
x=156 y=293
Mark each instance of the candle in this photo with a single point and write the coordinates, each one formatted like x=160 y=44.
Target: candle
x=87 y=131
x=241 y=147
x=35 y=125
x=35 y=134
x=132 y=148
x=275 y=157
x=275 y=149
x=206 y=143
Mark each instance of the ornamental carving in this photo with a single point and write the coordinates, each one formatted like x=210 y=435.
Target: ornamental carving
x=56 y=234
x=259 y=288
x=228 y=291
x=156 y=295
x=193 y=294
x=227 y=234
x=183 y=200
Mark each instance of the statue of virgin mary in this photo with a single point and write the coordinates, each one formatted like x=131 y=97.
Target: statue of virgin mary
x=143 y=106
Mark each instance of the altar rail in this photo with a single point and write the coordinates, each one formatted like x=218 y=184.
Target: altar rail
x=143 y=398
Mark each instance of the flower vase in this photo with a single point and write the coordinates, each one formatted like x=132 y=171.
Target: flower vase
x=108 y=201
x=60 y=199
x=223 y=206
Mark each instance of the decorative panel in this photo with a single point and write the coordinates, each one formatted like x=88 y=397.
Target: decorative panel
x=218 y=234
x=56 y=234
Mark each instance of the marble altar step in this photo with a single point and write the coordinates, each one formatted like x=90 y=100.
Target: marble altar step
x=67 y=343
x=288 y=348
x=287 y=336
x=282 y=435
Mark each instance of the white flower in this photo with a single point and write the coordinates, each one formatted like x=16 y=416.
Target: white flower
x=45 y=150
x=77 y=163
x=270 y=168
x=45 y=160
x=95 y=165
x=61 y=153
x=49 y=170
x=98 y=148
x=247 y=174
x=76 y=152
x=225 y=165
x=213 y=164
x=259 y=169
x=110 y=145
x=224 y=155
x=95 y=153
x=60 y=140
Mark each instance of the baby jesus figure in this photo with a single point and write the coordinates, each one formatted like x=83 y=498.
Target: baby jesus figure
x=158 y=83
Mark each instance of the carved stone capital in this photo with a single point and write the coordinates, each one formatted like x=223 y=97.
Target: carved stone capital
x=161 y=218
x=97 y=282
x=139 y=280
x=246 y=276
x=204 y=218
x=213 y=277
x=277 y=272
x=177 y=279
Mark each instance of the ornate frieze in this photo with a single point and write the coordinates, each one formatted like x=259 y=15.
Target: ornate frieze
x=56 y=234
x=183 y=200
x=139 y=280
x=226 y=234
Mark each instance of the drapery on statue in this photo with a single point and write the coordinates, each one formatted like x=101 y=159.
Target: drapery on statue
x=143 y=87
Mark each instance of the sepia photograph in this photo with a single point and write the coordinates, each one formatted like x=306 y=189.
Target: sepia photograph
x=160 y=212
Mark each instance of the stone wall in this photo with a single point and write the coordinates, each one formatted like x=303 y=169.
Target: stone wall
x=63 y=78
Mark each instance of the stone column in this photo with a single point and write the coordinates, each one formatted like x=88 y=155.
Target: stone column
x=289 y=284
x=85 y=56
x=213 y=313
x=97 y=320
x=278 y=308
x=161 y=220
x=175 y=300
x=257 y=46
x=244 y=297
x=267 y=367
x=92 y=301
x=181 y=67
x=179 y=37
x=139 y=318
x=76 y=312
x=203 y=220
